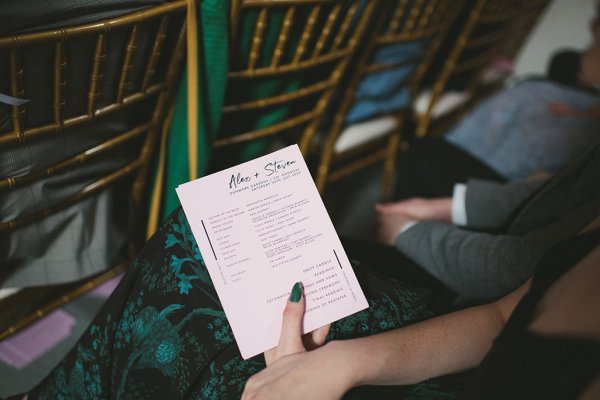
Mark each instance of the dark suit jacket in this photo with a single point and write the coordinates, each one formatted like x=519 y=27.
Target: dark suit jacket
x=483 y=266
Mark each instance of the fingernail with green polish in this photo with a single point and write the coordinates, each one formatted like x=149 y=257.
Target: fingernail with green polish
x=296 y=294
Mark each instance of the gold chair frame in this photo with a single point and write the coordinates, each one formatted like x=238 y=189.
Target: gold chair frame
x=527 y=15
x=525 y=20
x=484 y=12
x=424 y=20
x=330 y=47
x=161 y=88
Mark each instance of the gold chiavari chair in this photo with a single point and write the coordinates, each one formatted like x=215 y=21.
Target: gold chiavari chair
x=483 y=32
x=99 y=95
x=527 y=14
x=398 y=25
x=287 y=58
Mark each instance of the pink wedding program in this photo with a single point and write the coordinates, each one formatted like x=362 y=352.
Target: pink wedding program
x=261 y=226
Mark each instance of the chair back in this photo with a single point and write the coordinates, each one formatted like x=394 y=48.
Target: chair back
x=388 y=72
x=527 y=15
x=481 y=33
x=76 y=155
x=495 y=75
x=287 y=58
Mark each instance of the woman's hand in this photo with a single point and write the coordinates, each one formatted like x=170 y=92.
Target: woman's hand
x=315 y=375
x=291 y=340
x=292 y=371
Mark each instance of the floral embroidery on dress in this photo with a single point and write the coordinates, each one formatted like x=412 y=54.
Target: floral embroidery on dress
x=163 y=333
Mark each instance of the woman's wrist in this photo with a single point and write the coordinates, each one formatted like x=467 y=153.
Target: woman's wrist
x=354 y=364
x=344 y=368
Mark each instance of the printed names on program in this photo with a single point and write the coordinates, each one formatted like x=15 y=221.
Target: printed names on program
x=228 y=243
x=282 y=227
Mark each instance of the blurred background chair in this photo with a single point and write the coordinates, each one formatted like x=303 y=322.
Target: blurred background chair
x=458 y=70
x=287 y=58
x=386 y=75
x=75 y=158
x=527 y=15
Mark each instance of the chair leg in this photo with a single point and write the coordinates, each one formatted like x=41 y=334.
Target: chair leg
x=389 y=166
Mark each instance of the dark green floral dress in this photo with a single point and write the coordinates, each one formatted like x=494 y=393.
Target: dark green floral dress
x=163 y=333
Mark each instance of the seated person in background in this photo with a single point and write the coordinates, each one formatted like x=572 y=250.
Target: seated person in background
x=526 y=218
x=564 y=67
x=536 y=126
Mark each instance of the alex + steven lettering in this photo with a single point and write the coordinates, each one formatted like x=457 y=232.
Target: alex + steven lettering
x=277 y=166
x=270 y=168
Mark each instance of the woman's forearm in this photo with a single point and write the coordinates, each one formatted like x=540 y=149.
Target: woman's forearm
x=439 y=346
x=450 y=343
x=442 y=345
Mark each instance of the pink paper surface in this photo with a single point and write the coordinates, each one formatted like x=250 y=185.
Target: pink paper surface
x=261 y=226
x=24 y=347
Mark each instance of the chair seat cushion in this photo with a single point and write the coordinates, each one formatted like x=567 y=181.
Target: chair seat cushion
x=360 y=133
x=447 y=103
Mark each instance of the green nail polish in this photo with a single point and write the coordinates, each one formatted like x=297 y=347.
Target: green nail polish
x=296 y=294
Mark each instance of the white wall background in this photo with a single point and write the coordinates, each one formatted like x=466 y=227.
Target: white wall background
x=564 y=24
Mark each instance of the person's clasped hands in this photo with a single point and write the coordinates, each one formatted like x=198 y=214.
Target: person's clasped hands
x=300 y=367
x=392 y=217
